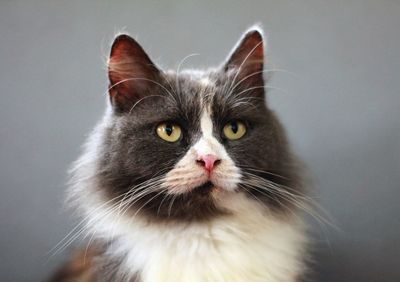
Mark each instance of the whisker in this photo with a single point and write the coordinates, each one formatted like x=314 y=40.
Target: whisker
x=145 y=79
x=167 y=195
x=302 y=202
x=262 y=171
x=139 y=188
x=250 y=192
x=242 y=64
x=72 y=238
x=88 y=219
x=129 y=204
x=141 y=99
x=153 y=179
x=258 y=87
x=179 y=67
x=82 y=222
x=171 y=204
x=253 y=74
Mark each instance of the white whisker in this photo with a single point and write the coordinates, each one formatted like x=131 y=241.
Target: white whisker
x=302 y=202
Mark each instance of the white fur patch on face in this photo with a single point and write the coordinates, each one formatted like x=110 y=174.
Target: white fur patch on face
x=187 y=174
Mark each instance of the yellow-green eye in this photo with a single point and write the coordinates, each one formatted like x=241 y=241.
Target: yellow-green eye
x=234 y=130
x=169 y=132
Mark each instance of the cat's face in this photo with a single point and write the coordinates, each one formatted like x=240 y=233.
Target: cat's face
x=177 y=145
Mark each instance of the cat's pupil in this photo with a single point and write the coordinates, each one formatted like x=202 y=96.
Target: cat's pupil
x=168 y=129
x=234 y=127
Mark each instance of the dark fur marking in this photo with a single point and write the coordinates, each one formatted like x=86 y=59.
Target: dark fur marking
x=132 y=154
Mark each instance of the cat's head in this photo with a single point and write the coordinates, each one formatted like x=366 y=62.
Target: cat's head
x=176 y=145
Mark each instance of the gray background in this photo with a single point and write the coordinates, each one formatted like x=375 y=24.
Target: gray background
x=339 y=100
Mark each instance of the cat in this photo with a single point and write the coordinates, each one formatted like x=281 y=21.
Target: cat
x=188 y=176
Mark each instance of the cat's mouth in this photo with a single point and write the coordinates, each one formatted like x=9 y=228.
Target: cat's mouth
x=205 y=188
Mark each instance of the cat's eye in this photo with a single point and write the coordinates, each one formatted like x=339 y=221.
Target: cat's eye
x=234 y=130
x=169 y=132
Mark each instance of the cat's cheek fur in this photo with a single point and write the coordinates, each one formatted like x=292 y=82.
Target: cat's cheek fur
x=248 y=245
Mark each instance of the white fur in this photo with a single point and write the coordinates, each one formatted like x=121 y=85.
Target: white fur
x=250 y=245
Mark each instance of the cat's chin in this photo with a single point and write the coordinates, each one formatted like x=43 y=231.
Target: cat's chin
x=197 y=204
x=204 y=189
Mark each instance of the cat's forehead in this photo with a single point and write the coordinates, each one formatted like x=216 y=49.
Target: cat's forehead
x=195 y=91
x=197 y=85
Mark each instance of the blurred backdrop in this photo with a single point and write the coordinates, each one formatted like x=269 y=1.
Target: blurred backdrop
x=338 y=98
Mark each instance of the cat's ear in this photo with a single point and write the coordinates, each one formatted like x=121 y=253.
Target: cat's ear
x=131 y=73
x=247 y=58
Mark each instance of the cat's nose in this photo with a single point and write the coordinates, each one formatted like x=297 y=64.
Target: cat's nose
x=208 y=161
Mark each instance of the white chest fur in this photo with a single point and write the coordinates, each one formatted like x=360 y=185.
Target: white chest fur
x=248 y=246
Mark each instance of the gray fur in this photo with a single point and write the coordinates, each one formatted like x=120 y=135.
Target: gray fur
x=127 y=151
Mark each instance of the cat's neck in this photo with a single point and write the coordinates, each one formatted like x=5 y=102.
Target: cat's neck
x=243 y=246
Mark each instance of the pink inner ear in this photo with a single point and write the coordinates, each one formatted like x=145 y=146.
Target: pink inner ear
x=130 y=70
x=248 y=55
x=253 y=48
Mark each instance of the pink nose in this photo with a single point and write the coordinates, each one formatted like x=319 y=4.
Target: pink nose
x=208 y=161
